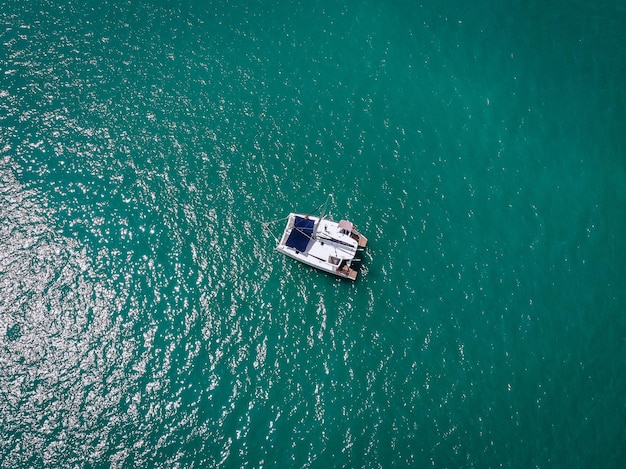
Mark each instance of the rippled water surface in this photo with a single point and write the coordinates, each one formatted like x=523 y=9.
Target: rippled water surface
x=145 y=318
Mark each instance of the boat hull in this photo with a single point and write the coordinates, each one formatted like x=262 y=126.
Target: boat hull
x=322 y=244
x=311 y=261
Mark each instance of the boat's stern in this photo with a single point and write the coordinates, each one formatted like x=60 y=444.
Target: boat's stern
x=346 y=227
x=347 y=272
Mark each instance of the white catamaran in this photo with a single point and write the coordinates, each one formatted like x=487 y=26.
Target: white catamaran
x=322 y=243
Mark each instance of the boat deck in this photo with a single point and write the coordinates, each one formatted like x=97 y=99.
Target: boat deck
x=323 y=244
x=352 y=274
x=362 y=240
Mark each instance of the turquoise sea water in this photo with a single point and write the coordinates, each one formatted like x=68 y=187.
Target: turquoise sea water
x=145 y=319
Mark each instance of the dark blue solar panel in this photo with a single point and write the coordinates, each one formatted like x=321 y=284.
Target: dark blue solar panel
x=301 y=234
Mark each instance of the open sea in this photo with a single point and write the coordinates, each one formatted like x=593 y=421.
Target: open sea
x=146 y=319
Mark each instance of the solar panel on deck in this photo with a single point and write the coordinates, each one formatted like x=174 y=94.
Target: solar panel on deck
x=300 y=234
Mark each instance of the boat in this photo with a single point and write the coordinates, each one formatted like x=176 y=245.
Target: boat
x=323 y=244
